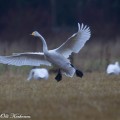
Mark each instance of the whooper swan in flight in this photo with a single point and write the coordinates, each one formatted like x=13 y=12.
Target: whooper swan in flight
x=57 y=57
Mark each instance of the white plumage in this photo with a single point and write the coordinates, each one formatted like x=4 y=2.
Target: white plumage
x=38 y=74
x=57 y=57
x=113 y=68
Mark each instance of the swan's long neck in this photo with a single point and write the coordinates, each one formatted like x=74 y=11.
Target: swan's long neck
x=45 y=48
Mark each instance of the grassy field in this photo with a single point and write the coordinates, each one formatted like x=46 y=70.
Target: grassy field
x=94 y=97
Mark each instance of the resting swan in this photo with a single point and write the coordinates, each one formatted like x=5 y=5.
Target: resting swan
x=113 y=68
x=38 y=74
x=57 y=57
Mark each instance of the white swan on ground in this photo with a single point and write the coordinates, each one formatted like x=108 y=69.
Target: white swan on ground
x=57 y=57
x=113 y=68
x=38 y=74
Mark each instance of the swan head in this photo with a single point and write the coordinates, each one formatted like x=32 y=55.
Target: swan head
x=35 y=33
x=117 y=63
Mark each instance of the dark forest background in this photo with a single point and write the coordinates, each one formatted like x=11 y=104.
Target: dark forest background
x=18 y=17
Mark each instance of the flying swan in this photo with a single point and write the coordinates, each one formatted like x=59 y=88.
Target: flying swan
x=57 y=57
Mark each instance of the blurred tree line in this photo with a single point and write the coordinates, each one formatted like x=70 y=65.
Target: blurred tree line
x=27 y=15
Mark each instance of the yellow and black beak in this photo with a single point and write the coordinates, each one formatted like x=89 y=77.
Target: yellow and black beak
x=32 y=34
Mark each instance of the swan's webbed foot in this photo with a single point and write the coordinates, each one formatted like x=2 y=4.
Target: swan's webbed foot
x=78 y=72
x=59 y=76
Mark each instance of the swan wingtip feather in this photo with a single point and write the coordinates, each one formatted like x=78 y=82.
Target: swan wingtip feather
x=78 y=26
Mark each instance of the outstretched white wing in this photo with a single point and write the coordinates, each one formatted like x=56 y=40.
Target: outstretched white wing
x=28 y=58
x=75 y=42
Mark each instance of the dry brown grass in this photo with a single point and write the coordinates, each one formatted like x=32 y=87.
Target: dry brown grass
x=94 y=97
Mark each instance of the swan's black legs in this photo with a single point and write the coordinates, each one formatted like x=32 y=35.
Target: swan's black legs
x=78 y=72
x=59 y=76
